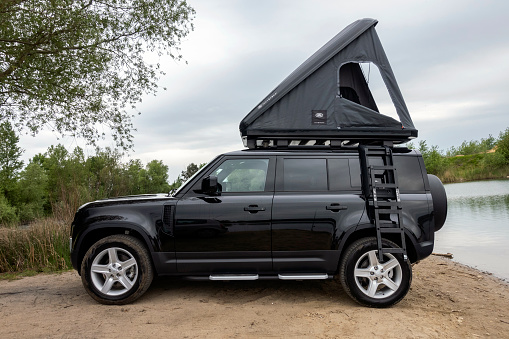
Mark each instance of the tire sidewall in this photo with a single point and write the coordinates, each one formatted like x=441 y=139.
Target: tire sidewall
x=125 y=243
x=348 y=279
x=439 y=197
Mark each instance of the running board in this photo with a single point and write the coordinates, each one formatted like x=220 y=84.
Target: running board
x=233 y=277
x=301 y=276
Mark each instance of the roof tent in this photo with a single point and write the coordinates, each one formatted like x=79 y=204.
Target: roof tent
x=328 y=97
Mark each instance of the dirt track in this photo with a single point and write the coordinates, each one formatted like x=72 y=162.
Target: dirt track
x=447 y=300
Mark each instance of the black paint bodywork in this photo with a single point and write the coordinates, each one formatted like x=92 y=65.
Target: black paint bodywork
x=267 y=232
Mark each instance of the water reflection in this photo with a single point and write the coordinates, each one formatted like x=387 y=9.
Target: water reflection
x=477 y=226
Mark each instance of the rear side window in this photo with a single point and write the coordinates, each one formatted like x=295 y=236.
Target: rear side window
x=342 y=176
x=333 y=174
x=304 y=175
x=409 y=173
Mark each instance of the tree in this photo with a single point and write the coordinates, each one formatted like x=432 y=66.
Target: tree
x=503 y=144
x=154 y=179
x=432 y=157
x=190 y=170
x=10 y=163
x=32 y=188
x=73 y=64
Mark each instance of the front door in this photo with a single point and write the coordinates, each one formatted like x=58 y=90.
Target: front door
x=230 y=232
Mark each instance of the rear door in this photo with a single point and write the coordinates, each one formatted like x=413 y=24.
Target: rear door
x=315 y=202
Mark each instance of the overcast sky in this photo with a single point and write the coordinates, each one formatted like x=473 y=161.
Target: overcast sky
x=450 y=58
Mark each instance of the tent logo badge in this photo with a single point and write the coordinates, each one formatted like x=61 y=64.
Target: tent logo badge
x=318 y=117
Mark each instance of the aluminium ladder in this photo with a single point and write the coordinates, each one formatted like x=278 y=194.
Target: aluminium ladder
x=381 y=190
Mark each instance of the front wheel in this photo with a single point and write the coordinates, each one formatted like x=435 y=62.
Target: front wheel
x=372 y=282
x=116 y=270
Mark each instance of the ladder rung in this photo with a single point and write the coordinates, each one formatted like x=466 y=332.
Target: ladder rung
x=390 y=230
x=393 y=250
x=383 y=168
x=388 y=204
x=384 y=185
x=387 y=224
x=386 y=211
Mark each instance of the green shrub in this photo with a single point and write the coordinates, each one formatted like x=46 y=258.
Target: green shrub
x=494 y=160
x=503 y=144
x=7 y=212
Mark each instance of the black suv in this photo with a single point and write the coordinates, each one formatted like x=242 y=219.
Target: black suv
x=321 y=191
x=292 y=214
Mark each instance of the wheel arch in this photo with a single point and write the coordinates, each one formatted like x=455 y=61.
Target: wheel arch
x=98 y=232
x=365 y=231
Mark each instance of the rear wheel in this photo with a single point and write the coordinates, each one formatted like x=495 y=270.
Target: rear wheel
x=116 y=270
x=372 y=282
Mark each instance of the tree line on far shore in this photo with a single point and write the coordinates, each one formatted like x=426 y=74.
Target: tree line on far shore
x=487 y=158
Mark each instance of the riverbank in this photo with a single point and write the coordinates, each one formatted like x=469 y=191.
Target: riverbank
x=447 y=300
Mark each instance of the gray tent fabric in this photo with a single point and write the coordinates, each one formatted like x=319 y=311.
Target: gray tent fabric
x=328 y=93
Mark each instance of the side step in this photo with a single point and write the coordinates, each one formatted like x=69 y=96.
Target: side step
x=303 y=276
x=293 y=276
x=233 y=277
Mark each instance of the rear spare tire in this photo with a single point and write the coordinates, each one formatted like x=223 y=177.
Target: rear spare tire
x=439 y=201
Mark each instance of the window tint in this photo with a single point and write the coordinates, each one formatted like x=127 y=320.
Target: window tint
x=355 y=173
x=409 y=173
x=339 y=174
x=305 y=175
x=242 y=175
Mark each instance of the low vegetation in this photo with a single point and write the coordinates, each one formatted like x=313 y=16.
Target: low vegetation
x=43 y=246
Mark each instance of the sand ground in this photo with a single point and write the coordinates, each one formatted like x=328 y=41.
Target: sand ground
x=447 y=300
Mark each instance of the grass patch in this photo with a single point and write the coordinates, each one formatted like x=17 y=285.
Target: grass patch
x=42 y=246
x=17 y=275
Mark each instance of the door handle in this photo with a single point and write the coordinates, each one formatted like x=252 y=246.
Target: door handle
x=254 y=209
x=336 y=207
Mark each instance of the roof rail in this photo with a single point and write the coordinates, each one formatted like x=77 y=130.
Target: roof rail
x=308 y=143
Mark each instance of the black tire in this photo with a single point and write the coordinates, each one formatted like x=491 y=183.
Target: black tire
x=370 y=282
x=117 y=270
x=439 y=201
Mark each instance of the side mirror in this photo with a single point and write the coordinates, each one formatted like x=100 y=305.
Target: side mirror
x=210 y=186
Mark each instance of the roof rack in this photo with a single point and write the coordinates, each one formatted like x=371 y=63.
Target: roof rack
x=297 y=142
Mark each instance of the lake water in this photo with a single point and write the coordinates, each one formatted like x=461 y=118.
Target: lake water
x=477 y=228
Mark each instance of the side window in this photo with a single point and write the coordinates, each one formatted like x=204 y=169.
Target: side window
x=305 y=175
x=355 y=173
x=339 y=174
x=242 y=175
x=409 y=173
